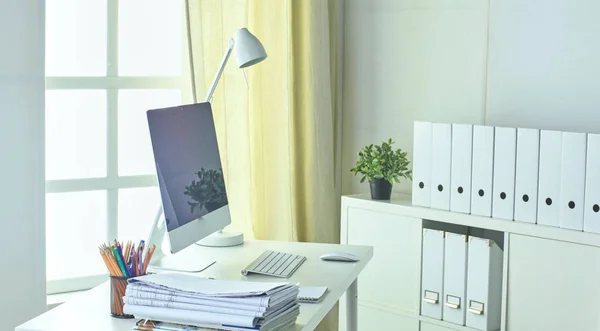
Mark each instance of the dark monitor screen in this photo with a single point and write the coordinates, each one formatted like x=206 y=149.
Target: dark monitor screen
x=188 y=163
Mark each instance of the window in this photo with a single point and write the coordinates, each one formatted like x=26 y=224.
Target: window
x=107 y=62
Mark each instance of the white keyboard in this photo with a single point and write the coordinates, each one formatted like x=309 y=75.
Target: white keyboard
x=275 y=264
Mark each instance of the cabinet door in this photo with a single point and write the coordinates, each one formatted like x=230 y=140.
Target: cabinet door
x=375 y=319
x=553 y=285
x=432 y=327
x=392 y=277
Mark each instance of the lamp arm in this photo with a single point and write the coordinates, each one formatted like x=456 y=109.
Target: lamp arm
x=220 y=71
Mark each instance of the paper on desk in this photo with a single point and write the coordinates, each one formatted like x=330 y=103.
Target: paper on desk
x=209 y=287
x=190 y=317
x=257 y=303
x=285 y=314
x=141 y=294
x=281 y=324
x=281 y=308
x=191 y=306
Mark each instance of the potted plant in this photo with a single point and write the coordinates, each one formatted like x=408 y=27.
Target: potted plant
x=382 y=166
x=208 y=191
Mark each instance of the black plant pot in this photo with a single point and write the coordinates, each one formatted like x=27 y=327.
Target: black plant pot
x=381 y=189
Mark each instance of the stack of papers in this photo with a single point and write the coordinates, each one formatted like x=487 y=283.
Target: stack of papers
x=209 y=303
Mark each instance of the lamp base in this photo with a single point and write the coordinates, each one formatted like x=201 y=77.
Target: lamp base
x=222 y=239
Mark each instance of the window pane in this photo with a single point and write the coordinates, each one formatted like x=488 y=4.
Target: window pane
x=75 y=227
x=75 y=134
x=137 y=210
x=150 y=37
x=135 y=148
x=75 y=38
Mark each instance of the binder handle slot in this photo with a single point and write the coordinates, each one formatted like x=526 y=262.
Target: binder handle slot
x=476 y=307
x=431 y=297
x=452 y=302
x=452 y=305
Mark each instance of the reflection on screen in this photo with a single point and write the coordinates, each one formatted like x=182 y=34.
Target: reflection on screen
x=187 y=161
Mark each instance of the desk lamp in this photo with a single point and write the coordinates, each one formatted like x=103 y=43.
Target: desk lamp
x=248 y=52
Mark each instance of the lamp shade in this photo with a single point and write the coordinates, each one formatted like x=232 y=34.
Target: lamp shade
x=248 y=49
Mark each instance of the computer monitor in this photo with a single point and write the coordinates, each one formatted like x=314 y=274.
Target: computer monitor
x=189 y=171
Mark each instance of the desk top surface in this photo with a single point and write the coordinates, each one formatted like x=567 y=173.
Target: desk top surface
x=92 y=308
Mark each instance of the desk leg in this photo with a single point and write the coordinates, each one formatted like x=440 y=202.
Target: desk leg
x=352 y=307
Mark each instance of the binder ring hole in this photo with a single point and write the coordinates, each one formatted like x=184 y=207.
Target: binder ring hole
x=596 y=208
x=525 y=197
x=548 y=201
x=460 y=190
x=440 y=188
x=421 y=185
x=502 y=195
x=481 y=193
x=571 y=204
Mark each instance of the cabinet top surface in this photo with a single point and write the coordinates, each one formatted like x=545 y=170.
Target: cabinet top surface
x=401 y=204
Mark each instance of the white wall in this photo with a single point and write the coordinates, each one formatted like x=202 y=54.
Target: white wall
x=22 y=267
x=532 y=63
x=544 y=64
x=408 y=60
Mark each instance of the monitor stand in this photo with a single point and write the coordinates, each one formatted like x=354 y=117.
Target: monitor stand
x=176 y=262
x=222 y=239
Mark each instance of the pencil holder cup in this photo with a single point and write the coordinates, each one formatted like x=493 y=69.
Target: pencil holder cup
x=117 y=292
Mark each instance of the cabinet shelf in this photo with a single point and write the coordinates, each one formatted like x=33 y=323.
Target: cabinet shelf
x=401 y=204
x=445 y=324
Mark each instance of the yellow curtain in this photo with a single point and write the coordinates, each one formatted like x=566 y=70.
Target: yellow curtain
x=277 y=137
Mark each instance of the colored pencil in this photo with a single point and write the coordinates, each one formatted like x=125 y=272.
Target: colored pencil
x=127 y=248
x=147 y=258
x=109 y=266
x=124 y=259
x=119 y=261
x=135 y=264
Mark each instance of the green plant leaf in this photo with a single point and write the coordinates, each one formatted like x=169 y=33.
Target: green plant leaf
x=382 y=161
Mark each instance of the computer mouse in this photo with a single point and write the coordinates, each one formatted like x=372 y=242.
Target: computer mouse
x=340 y=257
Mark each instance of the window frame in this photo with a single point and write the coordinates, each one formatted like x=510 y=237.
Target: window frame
x=112 y=182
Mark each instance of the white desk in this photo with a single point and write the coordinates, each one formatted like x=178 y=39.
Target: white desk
x=91 y=310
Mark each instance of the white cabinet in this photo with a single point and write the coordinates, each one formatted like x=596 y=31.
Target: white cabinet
x=380 y=320
x=396 y=262
x=432 y=327
x=553 y=285
x=397 y=242
x=550 y=275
